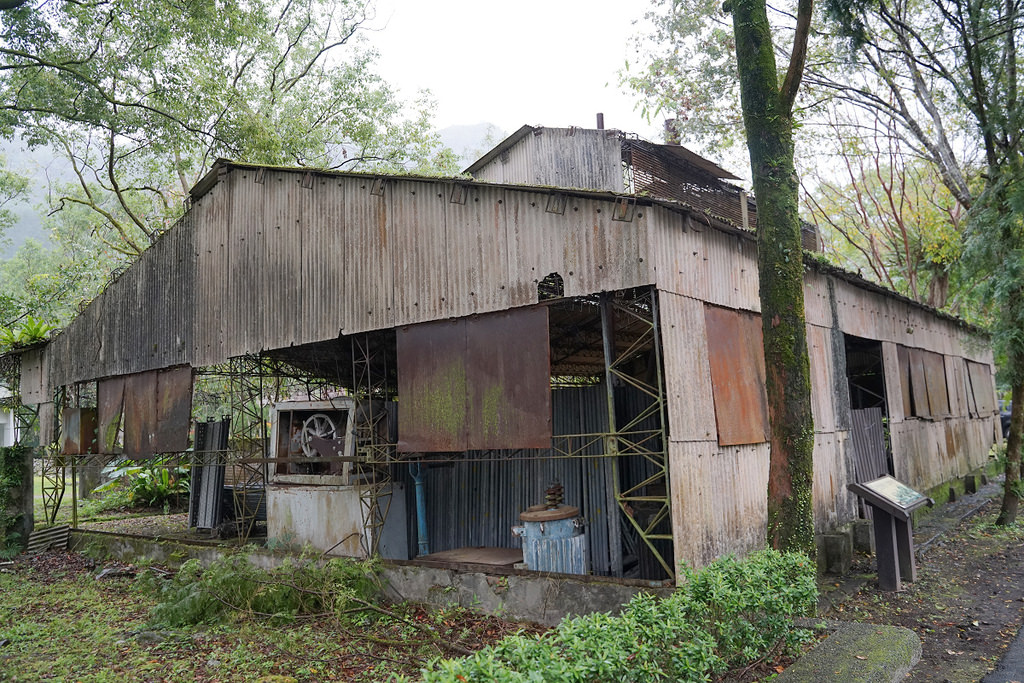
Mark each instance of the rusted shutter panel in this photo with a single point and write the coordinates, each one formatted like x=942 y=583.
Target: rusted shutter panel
x=903 y=355
x=935 y=378
x=475 y=383
x=736 y=355
x=110 y=397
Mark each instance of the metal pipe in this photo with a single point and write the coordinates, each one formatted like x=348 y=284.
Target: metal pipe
x=415 y=471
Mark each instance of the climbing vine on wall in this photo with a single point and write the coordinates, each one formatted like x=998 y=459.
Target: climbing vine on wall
x=12 y=459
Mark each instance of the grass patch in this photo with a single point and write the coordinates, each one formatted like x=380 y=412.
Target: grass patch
x=61 y=623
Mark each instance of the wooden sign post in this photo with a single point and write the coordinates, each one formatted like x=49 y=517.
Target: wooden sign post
x=891 y=504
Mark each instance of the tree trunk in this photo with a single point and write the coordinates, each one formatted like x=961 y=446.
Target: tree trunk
x=769 y=127
x=1011 y=486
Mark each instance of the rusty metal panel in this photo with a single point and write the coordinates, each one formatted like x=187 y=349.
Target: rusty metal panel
x=560 y=157
x=508 y=380
x=110 y=397
x=918 y=383
x=903 y=358
x=935 y=380
x=174 y=410
x=475 y=383
x=737 y=375
x=982 y=388
x=684 y=345
x=432 y=387
x=78 y=431
x=140 y=414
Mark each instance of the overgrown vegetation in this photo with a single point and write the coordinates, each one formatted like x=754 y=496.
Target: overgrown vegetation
x=233 y=586
x=727 y=615
x=12 y=460
x=150 y=485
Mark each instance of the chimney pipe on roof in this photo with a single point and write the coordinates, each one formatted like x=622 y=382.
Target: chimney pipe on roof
x=672 y=136
x=600 y=121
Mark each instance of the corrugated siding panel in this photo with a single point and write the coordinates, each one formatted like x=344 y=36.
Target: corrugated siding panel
x=719 y=499
x=703 y=263
x=833 y=504
x=34 y=385
x=477 y=254
x=585 y=246
x=421 y=253
x=817 y=303
x=819 y=347
x=364 y=241
x=561 y=157
x=926 y=453
x=213 y=277
x=691 y=411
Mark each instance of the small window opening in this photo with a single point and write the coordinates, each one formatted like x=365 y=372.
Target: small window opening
x=551 y=287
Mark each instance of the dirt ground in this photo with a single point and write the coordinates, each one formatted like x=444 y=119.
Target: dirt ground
x=966 y=605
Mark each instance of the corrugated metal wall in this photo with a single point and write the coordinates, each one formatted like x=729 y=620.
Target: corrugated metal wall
x=143 y=321
x=693 y=267
x=561 y=157
x=351 y=254
x=472 y=503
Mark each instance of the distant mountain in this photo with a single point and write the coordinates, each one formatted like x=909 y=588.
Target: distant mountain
x=41 y=166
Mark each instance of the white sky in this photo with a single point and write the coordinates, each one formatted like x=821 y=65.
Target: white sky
x=552 y=63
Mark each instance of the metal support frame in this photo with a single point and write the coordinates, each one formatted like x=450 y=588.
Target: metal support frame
x=639 y=314
x=374 y=454
x=53 y=465
x=248 y=440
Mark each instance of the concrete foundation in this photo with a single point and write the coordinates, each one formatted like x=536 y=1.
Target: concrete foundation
x=541 y=598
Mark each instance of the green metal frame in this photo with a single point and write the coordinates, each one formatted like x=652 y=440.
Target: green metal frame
x=639 y=314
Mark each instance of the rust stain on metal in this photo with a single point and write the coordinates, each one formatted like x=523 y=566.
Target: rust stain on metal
x=174 y=410
x=903 y=358
x=935 y=381
x=509 y=380
x=78 y=433
x=736 y=357
x=475 y=383
x=918 y=383
x=140 y=414
x=110 y=397
x=432 y=387
x=982 y=388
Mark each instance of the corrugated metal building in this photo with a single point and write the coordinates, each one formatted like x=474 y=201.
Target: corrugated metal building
x=638 y=257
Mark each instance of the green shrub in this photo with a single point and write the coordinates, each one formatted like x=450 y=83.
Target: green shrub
x=151 y=485
x=726 y=615
x=233 y=585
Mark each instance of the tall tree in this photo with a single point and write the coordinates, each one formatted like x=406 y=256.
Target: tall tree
x=888 y=215
x=140 y=96
x=690 y=34
x=943 y=67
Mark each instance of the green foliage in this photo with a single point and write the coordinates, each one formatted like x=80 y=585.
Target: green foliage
x=24 y=333
x=12 y=464
x=726 y=615
x=150 y=485
x=233 y=585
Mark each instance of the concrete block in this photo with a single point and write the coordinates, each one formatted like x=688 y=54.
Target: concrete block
x=863 y=538
x=835 y=552
x=970 y=484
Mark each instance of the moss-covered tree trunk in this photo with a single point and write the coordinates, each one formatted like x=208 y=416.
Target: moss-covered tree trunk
x=768 y=117
x=1011 y=485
